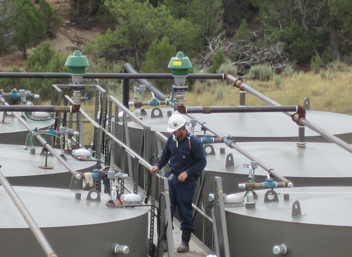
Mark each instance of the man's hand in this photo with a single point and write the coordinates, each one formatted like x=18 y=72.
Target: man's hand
x=182 y=177
x=154 y=169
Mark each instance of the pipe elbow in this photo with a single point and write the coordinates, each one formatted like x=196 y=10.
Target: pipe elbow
x=75 y=108
x=238 y=83
x=181 y=109
x=301 y=113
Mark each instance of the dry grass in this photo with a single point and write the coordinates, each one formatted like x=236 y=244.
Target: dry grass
x=328 y=91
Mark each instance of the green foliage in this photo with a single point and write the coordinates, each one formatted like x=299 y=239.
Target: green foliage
x=7 y=84
x=81 y=12
x=243 y=33
x=138 y=25
x=300 y=44
x=277 y=80
x=260 y=72
x=206 y=15
x=235 y=11
x=228 y=68
x=316 y=64
x=157 y=60
x=288 y=71
x=44 y=59
x=103 y=66
x=220 y=93
x=3 y=45
x=218 y=59
x=51 y=21
x=338 y=66
x=178 y=8
x=323 y=74
x=29 y=29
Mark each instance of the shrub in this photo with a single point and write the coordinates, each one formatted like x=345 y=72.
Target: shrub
x=277 y=80
x=220 y=93
x=338 y=66
x=260 y=72
x=218 y=59
x=316 y=63
x=228 y=68
x=288 y=71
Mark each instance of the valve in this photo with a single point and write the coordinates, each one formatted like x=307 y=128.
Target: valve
x=51 y=131
x=154 y=102
x=179 y=66
x=142 y=88
x=228 y=140
x=280 y=249
x=68 y=133
x=14 y=94
x=117 y=248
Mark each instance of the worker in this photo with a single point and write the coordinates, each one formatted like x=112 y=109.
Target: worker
x=187 y=159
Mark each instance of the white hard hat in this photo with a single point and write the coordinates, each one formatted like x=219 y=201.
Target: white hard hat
x=175 y=122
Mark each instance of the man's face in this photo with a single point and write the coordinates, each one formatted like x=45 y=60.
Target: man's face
x=178 y=133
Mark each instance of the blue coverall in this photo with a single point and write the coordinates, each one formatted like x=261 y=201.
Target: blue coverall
x=185 y=155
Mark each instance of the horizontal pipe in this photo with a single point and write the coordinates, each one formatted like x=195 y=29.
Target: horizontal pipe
x=253 y=185
x=142 y=103
x=27 y=217
x=44 y=108
x=57 y=75
x=226 y=109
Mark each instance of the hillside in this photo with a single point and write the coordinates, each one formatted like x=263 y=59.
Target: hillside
x=68 y=37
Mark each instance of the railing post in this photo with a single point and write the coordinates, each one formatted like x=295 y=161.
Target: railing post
x=220 y=219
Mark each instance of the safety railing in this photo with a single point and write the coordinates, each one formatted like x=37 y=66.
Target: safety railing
x=158 y=184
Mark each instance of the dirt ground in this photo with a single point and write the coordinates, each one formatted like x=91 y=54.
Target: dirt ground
x=68 y=37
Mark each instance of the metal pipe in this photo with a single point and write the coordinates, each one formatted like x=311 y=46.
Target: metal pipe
x=245 y=153
x=33 y=108
x=252 y=185
x=27 y=217
x=42 y=75
x=242 y=97
x=202 y=212
x=158 y=94
x=226 y=109
x=142 y=103
x=326 y=135
x=44 y=143
x=299 y=118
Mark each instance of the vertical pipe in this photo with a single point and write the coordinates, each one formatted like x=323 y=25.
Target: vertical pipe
x=27 y=217
x=242 y=97
x=125 y=91
x=301 y=137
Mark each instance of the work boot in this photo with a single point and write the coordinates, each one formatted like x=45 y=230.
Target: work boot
x=184 y=246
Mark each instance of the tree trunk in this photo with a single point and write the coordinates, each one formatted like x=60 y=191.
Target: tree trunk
x=303 y=9
x=137 y=59
x=334 y=45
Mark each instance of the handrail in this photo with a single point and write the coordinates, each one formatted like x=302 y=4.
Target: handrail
x=27 y=217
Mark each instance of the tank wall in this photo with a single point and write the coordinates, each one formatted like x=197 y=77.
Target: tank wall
x=250 y=237
x=89 y=240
